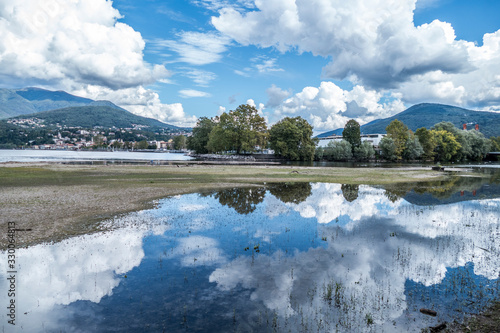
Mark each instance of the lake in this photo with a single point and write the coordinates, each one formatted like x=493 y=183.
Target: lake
x=281 y=258
x=69 y=155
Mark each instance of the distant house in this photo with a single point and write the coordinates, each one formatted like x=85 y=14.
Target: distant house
x=163 y=144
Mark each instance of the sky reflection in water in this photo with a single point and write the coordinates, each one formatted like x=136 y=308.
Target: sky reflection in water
x=283 y=258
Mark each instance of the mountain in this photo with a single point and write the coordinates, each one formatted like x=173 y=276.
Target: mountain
x=37 y=94
x=12 y=104
x=90 y=116
x=16 y=102
x=427 y=115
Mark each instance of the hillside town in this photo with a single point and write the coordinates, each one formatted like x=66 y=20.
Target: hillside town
x=35 y=134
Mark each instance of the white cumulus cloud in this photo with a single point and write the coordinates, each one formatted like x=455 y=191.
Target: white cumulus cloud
x=81 y=47
x=377 y=45
x=376 y=41
x=276 y=96
x=478 y=88
x=143 y=102
x=68 y=43
x=329 y=107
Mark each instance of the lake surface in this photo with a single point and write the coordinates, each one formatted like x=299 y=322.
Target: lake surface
x=281 y=258
x=68 y=155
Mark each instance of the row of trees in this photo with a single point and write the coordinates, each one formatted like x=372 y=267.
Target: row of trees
x=443 y=142
x=345 y=151
x=351 y=147
x=244 y=131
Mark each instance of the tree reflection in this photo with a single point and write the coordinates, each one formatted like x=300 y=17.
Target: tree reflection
x=350 y=192
x=453 y=189
x=398 y=191
x=291 y=192
x=242 y=200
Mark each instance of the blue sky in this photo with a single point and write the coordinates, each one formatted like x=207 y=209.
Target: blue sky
x=325 y=60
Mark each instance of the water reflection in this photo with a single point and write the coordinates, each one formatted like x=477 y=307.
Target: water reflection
x=243 y=200
x=88 y=268
x=291 y=192
x=441 y=192
x=350 y=192
x=290 y=258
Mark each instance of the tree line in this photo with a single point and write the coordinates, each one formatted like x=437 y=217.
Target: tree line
x=244 y=131
x=442 y=143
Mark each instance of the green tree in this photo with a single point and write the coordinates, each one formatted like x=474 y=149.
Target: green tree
x=319 y=153
x=222 y=138
x=447 y=146
x=446 y=126
x=427 y=141
x=98 y=140
x=339 y=150
x=364 y=152
x=116 y=144
x=478 y=145
x=474 y=146
x=180 y=142
x=292 y=138
x=399 y=133
x=352 y=134
x=143 y=144
x=200 y=136
x=388 y=148
x=459 y=135
x=251 y=129
x=413 y=148
x=241 y=130
x=495 y=143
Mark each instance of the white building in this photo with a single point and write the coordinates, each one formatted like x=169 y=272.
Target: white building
x=323 y=142
x=374 y=139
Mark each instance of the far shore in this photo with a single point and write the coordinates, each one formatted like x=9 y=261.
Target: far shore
x=55 y=201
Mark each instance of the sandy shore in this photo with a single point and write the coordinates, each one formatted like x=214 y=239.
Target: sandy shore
x=55 y=201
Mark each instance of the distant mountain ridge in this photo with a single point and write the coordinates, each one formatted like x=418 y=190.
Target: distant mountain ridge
x=16 y=102
x=70 y=110
x=428 y=114
x=38 y=94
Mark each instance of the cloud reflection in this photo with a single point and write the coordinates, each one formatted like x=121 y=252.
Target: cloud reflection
x=327 y=261
x=369 y=259
x=88 y=267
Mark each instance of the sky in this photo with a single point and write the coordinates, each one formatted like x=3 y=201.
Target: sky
x=325 y=60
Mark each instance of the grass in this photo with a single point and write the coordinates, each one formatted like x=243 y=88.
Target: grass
x=130 y=175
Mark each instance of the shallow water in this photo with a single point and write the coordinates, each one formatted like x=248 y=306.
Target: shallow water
x=69 y=155
x=284 y=258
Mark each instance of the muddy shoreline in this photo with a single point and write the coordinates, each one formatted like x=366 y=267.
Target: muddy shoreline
x=57 y=201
